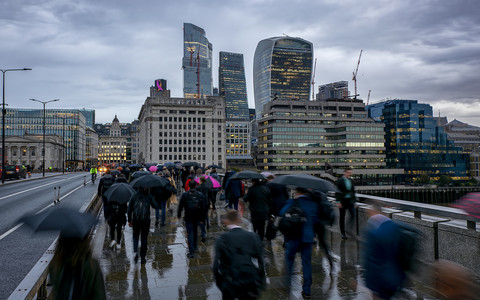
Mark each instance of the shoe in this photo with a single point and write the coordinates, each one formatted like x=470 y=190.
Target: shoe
x=344 y=237
x=190 y=255
x=163 y=224
x=112 y=244
x=135 y=258
x=204 y=239
x=143 y=261
x=306 y=296
x=119 y=247
x=156 y=222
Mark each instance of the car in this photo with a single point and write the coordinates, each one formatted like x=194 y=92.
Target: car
x=15 y=171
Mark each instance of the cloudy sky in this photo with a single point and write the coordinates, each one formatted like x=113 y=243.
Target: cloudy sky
x=105 y=55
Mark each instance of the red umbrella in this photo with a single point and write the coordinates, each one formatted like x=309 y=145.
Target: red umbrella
x=470 y=203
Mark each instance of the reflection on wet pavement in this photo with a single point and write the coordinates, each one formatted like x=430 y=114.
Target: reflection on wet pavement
x=169 y=274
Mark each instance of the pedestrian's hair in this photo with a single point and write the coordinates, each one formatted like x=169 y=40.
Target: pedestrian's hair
x=270 y=177
x=192 y=172
x=348 y=169
x=232 y=216
x=121 y=175
x=192 y=184
x=302 y=190
x=166 y=173
x=202 y=179
x=199 y=171
x=214 y=170
x=375 y=205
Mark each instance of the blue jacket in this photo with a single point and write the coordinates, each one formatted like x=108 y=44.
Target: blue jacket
x=234 y=187
x=310 y=207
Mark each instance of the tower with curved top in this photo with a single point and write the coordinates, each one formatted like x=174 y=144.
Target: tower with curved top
x=282 y=68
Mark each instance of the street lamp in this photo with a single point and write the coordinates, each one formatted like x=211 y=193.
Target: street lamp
x=63 y=143
x=44 y=104
x=3 y=118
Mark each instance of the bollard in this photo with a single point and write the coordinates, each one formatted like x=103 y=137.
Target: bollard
x=54 y=195
x=58 y=195
x=85 y=180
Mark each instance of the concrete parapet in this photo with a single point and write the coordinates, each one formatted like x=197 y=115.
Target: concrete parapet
x=362 y=215
x=428 y=226
x=459 y=244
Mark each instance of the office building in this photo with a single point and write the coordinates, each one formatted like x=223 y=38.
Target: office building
x=231 y=79
x=196 y=62
x=415 y=143
x=282 y=69
x=26 y=150
x=68 y=124
x=182 y=129
x=314 y=137
x=334 y=90
x=89 y=115
x=113 y=147
x=91 y=148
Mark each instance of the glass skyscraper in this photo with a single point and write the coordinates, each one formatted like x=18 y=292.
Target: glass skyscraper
x=282 y=69
x=415 y=142
x=231 y=79
x=196 y=63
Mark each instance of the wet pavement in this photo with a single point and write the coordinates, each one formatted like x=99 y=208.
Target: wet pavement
x=169 y=274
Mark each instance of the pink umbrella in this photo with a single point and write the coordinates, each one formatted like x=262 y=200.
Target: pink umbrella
x=210 y=182
x=153 y=169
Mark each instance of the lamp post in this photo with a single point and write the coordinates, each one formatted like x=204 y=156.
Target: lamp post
x=3 y=118
x=63 y=143
x=43 y=150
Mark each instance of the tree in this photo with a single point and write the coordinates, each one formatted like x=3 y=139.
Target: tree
x=423 y=179
x=444 y=180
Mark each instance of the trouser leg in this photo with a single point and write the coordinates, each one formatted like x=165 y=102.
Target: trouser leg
x=144 y=238
x=341 y=221
x=307 y=267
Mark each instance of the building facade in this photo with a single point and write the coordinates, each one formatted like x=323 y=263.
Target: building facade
x=282 y=68
x=334 y=90
x=113 y=147
x=182 y=129
x=415 y=143
x=27 y=149
x=196 y=62
x=68 y=124
x=314 y=137
x=232 y=85
x=91 y=150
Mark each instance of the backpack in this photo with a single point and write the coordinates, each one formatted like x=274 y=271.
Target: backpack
x=291 y=224
x=243 y=277
x=407 y=246
x=141 y=209
x=115 y=211
x=195 y=202
x=326 y=212
x=107 y=183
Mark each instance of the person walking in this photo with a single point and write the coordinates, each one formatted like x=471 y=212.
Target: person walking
x=207 y=192
x=165 y=202
x=105 y=183
x=260 y=200
x=346 y=199
x=194 y=203
x=215 y=191
x=383 y=273
x=238 y=266
x=139 y=219
x=303 y=243
x=233 y=192
x=116 y=220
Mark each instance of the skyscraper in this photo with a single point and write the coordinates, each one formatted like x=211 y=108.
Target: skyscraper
x=196 y=63
x=282 y=69
x=231 y=79
x=334 y=90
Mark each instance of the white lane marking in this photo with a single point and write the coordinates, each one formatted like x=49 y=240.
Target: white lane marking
x=18 y=193
x=50 y=205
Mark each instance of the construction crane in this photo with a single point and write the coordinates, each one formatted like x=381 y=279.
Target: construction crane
x=368 y=98
x=313 y=80
x=355 y=75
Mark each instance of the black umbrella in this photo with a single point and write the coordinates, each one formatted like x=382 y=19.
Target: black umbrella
x=136 y=166
x=115 y=172
x=247 y=175
x=148 y=182
x=190 y=164
x=70 y=222
x=139 y=174
x=214 y=167
x=306 y=181
x=119 y=192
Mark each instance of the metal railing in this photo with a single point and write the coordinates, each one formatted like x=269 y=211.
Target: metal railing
x=34 y=285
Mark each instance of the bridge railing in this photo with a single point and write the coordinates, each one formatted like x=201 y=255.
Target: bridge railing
x=34 y=285
x=447 y=233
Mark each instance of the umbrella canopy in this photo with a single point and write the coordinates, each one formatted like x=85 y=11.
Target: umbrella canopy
x=136 y=166
x=139 y=174
x=153 y=168
x=119 y=192
x=115 y=172
x=306 y=181
x=470 y=203
x=247 y=175
x=190 y=164
x=70 y=222
x=210 y=182
x=267 y=174
x=148 y=182
x=214 y=167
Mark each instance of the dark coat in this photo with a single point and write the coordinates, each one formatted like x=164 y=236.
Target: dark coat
x=102 y=183
x=279 y=197
x=207 y=192
x=230 y=244
x=190 y=216
x=310 y=208
x=140 y=197
x=233 y=188
x=260 y=200
x=342 y=192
